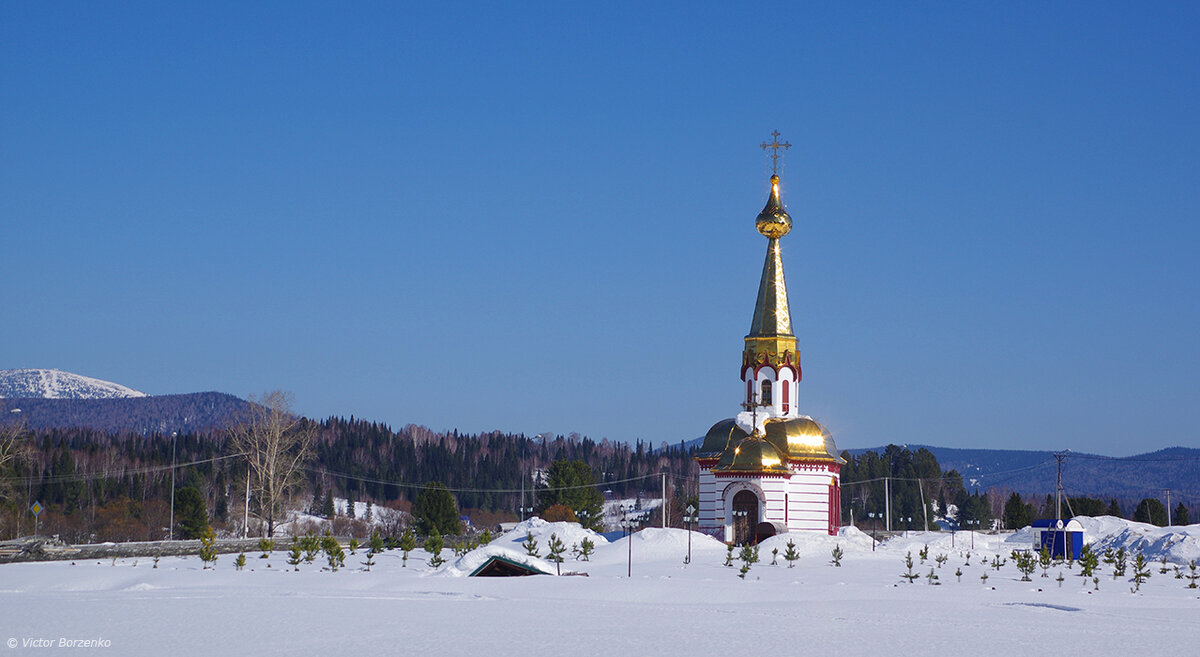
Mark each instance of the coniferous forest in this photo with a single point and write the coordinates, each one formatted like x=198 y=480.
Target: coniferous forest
x=99 y=486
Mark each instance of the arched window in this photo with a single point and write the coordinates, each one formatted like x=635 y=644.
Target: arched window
x=766 y=393
x=786 y=397
x=749 y=391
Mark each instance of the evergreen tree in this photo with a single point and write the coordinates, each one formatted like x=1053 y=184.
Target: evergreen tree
x=408 y=543
x=837 y=555
x=1088 y=560
x=530 y=545
x=435 y=511
x=327 y=509
x=1017 y=514
x=350 y=513
x=1114 y=509
x=1141 y=571
x=749 y=556
x=294 y=555
x=1181 y=515
x=190 y=513
x=790 y=554
x=434 y=545
x=208 y=548
x=586 y=547
x=573 y=485
x=1151 y=511
x=557 y=548
x=316 y=506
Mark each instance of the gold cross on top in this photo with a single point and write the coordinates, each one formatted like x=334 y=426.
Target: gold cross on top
x=775 y=146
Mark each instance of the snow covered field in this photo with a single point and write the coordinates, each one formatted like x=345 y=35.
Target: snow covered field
x=666 y=608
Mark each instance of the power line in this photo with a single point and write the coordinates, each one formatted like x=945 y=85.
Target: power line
x=404 y=484
x=110 y=474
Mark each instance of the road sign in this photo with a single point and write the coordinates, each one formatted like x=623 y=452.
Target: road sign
x=690 y=510
x=36 y=508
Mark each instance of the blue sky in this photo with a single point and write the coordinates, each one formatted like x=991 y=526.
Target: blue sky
x=540 y=218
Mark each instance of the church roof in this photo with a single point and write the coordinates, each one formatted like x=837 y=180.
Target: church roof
x=720 y=437
x=753 y=454
x=802 y=439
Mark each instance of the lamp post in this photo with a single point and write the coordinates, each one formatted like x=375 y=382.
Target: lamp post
x=524 y=510
x=688 y=519
x=736 y=516
x=971 y=523
x=171 y=535
x=627 y=524
x=872 y=515
x=907 y=524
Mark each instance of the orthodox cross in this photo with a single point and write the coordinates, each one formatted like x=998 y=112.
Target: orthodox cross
x=775 y=146
x=752 y=406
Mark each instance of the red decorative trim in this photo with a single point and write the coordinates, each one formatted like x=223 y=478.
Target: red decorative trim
x=747 y=474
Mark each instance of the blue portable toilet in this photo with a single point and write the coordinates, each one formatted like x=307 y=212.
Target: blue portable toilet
x=1062 y=538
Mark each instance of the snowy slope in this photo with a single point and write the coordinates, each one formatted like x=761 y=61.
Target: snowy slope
x=665 y=608
x=56 y=384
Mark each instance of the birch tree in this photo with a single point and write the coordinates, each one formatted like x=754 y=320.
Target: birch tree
x=13 y=448
x=277 y=445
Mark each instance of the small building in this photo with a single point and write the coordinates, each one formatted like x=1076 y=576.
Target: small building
x=1062 y=538
x=771 y=469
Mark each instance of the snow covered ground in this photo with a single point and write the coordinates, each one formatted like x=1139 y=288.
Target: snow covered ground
x=666 y=608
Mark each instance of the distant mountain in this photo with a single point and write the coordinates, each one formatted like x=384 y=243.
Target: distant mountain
x=1083 y=474
x=145 y=415
x=56 y=384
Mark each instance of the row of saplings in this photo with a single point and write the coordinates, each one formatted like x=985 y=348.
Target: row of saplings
x=306 y=549
x=749 y=556
x=1027 y=562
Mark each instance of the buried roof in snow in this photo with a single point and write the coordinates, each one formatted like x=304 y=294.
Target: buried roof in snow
x=498 y=566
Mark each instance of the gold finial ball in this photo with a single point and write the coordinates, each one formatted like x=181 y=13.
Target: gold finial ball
x=774 y=222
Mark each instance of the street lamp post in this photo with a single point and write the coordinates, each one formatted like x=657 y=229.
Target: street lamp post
x=736 y=515
x=907 y=524
x=971 y=523
x=172 y=528
x=872 y=515
x=627 y=523
x=687 y=519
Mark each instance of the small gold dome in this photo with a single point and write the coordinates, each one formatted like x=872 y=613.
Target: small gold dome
x=722 y=436
x=774 y=221
x=753 y=454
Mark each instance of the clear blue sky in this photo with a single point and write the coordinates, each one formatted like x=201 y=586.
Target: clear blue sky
x=540 y=217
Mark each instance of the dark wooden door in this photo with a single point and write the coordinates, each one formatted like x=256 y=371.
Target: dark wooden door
x=745 y=517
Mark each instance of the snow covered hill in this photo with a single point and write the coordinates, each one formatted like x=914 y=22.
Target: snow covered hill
x=57 y=384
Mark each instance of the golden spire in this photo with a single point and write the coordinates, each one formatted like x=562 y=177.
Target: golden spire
x=771 y=327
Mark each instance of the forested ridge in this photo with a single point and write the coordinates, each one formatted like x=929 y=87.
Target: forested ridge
x=98 y=485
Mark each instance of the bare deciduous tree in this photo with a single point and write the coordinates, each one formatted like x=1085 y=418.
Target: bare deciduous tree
x=13 y=448
x=277 y=445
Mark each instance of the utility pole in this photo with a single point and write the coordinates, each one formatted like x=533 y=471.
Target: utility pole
x=887 y=503
x=1058 y=456
x=1168 y=507
x=246 y=513
x=171 y=534
x=664 y=501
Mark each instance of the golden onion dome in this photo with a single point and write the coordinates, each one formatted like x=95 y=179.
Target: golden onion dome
x=722 y=436
x=753 y=454
x=774 y=221
x=802 y=439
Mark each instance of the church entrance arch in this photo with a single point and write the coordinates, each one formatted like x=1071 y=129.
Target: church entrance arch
x=745 y=517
